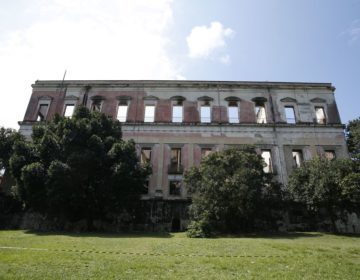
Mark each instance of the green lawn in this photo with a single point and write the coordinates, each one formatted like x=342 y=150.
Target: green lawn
x=31 y=255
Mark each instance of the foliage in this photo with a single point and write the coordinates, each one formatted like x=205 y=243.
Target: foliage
x=78 y=168
x=353 y=139
x=229 y=191
x=323 y=184
x=8 y=137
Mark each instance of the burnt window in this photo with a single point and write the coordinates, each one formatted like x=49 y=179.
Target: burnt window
x=69 y=110
x=266 y=155
x=145 y=189
x=122 y=112
x=297 y=158
x=205 y=114
x=320 y=115
x=233 y=112
x=177 y=113
x=175 y=157
x=96 y=105
x=329 y=154
x=42 y=112
x=205 y=152
x=149 y=113
x=290 y=114
x=260 y=112
x=145 y=156
x=175 y=187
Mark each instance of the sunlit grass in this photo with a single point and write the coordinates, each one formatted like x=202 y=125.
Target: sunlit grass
x=25 y=255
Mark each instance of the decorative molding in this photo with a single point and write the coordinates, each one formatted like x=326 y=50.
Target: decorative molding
x=45 y=97
x=97 y=97
x=232 y=98
x=205 y=98
x=123 y=97
x=71 y=97
x=289 y=100
x=151 y=97
x=318 y=100
x=259 y=99
x=178 y=98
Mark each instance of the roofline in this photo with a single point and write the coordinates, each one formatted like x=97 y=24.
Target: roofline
x=179 y=83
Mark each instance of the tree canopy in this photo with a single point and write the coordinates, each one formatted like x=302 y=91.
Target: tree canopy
x=229 y=191
x=353 y=139
x=78 y=168
x=332 y=185
x=8 y=137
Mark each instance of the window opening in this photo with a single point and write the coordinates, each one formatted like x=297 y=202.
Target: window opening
x=205 y=152
x=260 y=112
x=233 y=112
x=320 y=115
x=69 y=110
x=175 y=160
x=177 y=115
x=329 y=154
x=149 y=113
x=205 y=112
x=297 y=158
x=266 y=155
x=145 y=156
x=96 y=106
x=290 y=114
x=43 y=108
x=122 y=112
x=175 y=187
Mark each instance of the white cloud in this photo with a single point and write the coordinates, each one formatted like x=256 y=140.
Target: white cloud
x=354 y=31
x=207 y=42
x=92 y=39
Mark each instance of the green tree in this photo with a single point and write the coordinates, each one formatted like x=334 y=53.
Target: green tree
x=353 y=139
x=330 y=185
x=8 y=137
x=229 y=191
x=78 y=168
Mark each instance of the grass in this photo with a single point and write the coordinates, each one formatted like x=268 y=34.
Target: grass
x=32 y=255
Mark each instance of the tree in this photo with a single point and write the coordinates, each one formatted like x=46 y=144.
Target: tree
x=228 y=190
x=330 y=185
x=8 y=137
x=353 y=139
x=78 y=168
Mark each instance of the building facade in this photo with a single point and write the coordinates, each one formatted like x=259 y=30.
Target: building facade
x=176 y=123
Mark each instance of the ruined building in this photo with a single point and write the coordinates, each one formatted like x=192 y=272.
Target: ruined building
x=176 y=123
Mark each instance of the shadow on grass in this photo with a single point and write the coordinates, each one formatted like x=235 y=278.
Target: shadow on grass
x=103 y=234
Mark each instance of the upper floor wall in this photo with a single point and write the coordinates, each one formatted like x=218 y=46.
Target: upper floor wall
x=188 y=101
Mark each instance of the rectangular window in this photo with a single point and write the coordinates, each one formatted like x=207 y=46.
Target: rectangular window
x=175 y=161
x=205 y=112
x=320 y=115
x=145 y=189
x=329 y=154
x=96 y=106
x=149 y=113
x=290 y=114
x=175 y=188
x=43 y=108
x=260 y=114
x=297 y=158
x=266 y=155
x=205 y=152
x=145 y=155
x=177 y=113
x=233 y=112
x=69 y=110
x=122 y=112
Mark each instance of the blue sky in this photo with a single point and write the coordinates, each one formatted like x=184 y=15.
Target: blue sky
x=269 y=40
